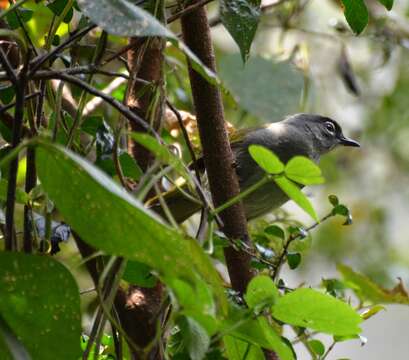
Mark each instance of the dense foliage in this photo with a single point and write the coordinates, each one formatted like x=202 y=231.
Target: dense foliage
x=67 y=172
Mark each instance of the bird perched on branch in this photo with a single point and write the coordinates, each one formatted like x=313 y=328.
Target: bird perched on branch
x=306 y=135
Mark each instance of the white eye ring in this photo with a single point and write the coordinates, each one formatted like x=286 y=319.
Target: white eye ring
x=330 y=127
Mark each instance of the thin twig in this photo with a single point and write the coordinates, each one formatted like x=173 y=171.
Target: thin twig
x=290 y=239
x=124 y=110
x=20 y=85
x=40 y=60
x=11 y=73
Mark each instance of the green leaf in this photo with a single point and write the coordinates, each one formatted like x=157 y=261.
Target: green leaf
x=24 y=15
x=110 y=219
x=277 y=90
x=387 y=3
x=39 y=301
x=241 y=18
x=312 y=309
x=7 y=94
x=58 y=6
x=238 y=350
x=258 y=332
x=293 y=259
x=261 y=292
x=303 y=171
x=139 y=274
x=195 y=338
x=295 y=194
x=120 y=17
x=356 y=14
x=21 y=196
x=317 y=346
x=266 y=159
x=367 y=290
x=276 y=231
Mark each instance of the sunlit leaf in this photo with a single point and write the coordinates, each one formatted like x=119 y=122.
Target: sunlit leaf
x=258 y=332
x=238 y=349
x=295 y=194
x=321 y=312
x=303 y=171
x=266 y=159
x=261 y=291
x=39 y=299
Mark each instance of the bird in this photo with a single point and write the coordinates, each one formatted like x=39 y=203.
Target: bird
x=302 y=134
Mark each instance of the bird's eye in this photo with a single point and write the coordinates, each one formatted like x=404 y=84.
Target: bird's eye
x=330 y=127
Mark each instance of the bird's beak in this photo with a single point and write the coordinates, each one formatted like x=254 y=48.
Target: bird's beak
x=348 y=142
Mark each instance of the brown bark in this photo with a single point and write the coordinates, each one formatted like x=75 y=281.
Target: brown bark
x=217 y=153
x=145 y=61
x=218 y=157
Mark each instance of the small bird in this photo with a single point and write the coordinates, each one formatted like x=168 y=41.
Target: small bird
x=303 y=134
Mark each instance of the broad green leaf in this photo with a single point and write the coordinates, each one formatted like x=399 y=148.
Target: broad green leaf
x=266 y=159
x=276 y=87
x=261 y=292
x=356 y=14
x=39 y=301
x=241 y=18
x=317 y=346
x=321 y=312
x=257 y=332
x=387 y=3
x=303 y=171
x=9 y=340
x=295 y=194
x=195 y=338
x=21 y=196
x=110 y=219
x=238 y=350
x=367 y=290
x=120 y=17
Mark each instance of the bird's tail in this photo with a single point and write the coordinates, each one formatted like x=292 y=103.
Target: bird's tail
x=180 y=202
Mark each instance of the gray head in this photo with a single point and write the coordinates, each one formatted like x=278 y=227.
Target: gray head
x=325 y=132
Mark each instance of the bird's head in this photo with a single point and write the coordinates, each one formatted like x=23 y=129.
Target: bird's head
x=324 y=132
